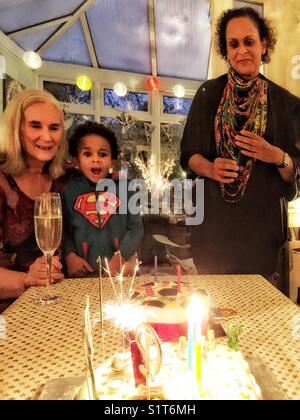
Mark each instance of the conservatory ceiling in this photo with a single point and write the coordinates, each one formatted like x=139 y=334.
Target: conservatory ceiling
x=168 y=38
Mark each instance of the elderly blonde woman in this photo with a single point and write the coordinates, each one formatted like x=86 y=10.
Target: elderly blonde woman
x=31 y=162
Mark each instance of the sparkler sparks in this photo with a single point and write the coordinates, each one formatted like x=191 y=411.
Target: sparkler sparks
x=123 y=313
x=126 y=316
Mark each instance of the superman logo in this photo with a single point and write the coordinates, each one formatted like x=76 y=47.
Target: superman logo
x=97 y=210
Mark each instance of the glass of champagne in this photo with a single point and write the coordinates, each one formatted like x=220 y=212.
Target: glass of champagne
x=48 y=231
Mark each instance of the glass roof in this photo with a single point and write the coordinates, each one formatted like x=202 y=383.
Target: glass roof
x=257 y=7
x=120 y=32
x=32 y=41
x=17 y=14
x=70 y=47
x=183 y=36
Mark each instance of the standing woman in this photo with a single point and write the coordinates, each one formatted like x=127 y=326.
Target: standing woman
x=242 y=136
x=32 y=149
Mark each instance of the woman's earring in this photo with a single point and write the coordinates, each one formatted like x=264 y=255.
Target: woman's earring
x=110 y=170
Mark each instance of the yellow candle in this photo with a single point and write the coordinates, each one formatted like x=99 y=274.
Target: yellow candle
x=198 y=362
x=196 y=314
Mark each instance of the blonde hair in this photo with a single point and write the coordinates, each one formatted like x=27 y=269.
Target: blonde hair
x=12 y=157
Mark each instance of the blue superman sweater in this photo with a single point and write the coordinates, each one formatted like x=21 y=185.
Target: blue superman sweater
x=99 y=222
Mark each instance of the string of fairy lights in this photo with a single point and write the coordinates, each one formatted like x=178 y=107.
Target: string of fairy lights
x=149 y=171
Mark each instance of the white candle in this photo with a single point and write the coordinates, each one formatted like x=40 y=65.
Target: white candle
x=155 y=268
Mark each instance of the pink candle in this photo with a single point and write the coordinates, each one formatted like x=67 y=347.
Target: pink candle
x=85 y=250
x=116 y=243
x=178 y=269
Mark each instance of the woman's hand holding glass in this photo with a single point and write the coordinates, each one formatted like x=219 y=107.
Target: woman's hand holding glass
x=48 y=231
x=224 y=170
x=37 y=273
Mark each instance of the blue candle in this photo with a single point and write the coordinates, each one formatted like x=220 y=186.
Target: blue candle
x=190 y=345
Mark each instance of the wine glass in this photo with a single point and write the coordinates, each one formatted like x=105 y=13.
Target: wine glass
x=48 y=230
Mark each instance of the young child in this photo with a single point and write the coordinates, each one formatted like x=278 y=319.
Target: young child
x=93 y=225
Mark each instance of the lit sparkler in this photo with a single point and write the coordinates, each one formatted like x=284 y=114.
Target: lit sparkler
x=99 y=261
x=136 y=269
x=126 y=316
x=123 y=313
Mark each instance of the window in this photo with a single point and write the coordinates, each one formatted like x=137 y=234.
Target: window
x=68 y=93
x=72 y=120
x=258 y=7
x=134 y=101
x=170 y=135
x=131 y=142
x=177 y=106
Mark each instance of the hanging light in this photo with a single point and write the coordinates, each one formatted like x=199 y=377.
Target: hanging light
x=83 y=82
x=120 y=89
x=32 y=60
x=179 y=91
x=152 y=83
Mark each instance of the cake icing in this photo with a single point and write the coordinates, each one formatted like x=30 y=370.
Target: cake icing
x=225 y=376
x=166 y=303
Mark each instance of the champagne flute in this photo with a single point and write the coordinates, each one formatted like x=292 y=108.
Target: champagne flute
x=48 y=231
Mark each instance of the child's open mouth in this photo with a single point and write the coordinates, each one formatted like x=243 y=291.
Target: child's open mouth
x=96 y=171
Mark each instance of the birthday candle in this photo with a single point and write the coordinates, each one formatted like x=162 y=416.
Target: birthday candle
x=178 y=268
x=116 y=244
x=85 y=250
x=155 y=268
x=190 y=345
x=198 y=360
x=195 y=317
x=117 y=251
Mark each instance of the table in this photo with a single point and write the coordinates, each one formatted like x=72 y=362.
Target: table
x=295 y=269
x=44 y=342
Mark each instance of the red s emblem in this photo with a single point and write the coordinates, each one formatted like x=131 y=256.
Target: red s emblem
x=86 y=205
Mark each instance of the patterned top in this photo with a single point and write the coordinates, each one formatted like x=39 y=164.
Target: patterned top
x=243 y=107
x=18 y=247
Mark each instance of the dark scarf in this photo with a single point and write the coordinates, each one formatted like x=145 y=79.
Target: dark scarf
x=243 y=106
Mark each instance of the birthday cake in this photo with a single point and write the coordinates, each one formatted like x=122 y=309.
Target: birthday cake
x=225 y=376
x=167 y=306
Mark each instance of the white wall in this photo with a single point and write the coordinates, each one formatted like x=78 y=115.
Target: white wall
x=12 y=64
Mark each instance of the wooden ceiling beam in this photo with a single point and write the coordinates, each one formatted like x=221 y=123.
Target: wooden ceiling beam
x=152 y=37
x=89 y=40
x=63 y=29
x=43 y=25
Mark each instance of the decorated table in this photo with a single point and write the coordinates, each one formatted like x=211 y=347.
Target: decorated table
x=45 y=342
